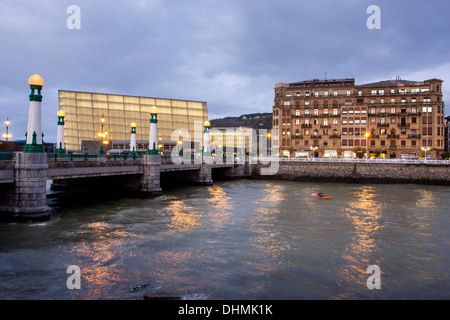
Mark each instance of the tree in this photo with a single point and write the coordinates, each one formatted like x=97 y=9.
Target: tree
x=359 y=152
x=445 y=155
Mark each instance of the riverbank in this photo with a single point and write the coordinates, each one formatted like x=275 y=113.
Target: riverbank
x=357 y=172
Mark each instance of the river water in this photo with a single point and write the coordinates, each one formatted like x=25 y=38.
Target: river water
x=242 y=239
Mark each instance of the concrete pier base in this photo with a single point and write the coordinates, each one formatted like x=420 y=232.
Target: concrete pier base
x=28 y=196
x=151 y=177
x=205 y=175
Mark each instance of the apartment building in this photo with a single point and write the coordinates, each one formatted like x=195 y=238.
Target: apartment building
x=337 y=118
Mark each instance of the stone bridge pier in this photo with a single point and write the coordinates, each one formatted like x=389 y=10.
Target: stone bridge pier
x=151 y=176
x=27 y=198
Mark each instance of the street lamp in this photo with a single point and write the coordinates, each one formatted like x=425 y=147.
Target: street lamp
x=269 y=136
x=367 y=135
x=7 y=135
x=425 y=149
x=102 y=135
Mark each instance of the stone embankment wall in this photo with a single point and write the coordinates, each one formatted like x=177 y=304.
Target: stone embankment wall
x=359 y=172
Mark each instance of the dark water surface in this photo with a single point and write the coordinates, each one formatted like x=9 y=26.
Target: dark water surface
x=237 y=240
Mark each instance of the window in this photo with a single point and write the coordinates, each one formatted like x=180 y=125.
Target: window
x=372 y=110
x=325 y=111
x=335 y=93
x=335 y=112
x=316 y=112
x=374 y=92
x=316 y=94
x=325 y=94
x=392 y=120
x=306 y=142
x=287 y=103
x=383 y=142
x=382 y=120
x=306 y=103
x=348 y=93
x=335 y=121
x=297 y=112
x=382 y=131
x=306 y=111
x=381 y=92
x=325 y=122
x=392 y=110
x=297 y=121
x=372 y=120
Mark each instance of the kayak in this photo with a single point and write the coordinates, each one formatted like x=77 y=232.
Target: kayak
x=314 y=195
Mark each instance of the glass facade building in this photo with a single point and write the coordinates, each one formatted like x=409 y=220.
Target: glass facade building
x=84 y=111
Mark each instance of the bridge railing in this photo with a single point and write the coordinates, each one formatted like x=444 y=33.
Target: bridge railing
x=123 y=157
x=6 y=156
x=71 y=157
x=90 y=157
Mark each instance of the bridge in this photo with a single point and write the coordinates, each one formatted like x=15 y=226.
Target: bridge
x=24 y=176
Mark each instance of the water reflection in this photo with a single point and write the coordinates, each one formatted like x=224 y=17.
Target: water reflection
x=183 y=216
x=268 y=239
x=364 y=213
x=426 y=199
x=98 y=258
x=219 y=206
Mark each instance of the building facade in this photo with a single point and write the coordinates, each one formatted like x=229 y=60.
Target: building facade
x=336 y=118
x=447 y=133
x=84 y=111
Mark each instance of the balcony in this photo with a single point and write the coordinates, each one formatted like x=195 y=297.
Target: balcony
x=393 y=136
x=325 y=125
x=297 y=136
x=335 y=136
x=414 y=136
x=383 y=125
x=306 y=125
x=316 y=136
x=404 y=125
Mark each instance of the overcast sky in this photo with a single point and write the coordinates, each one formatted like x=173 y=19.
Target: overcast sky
x=228 y=53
